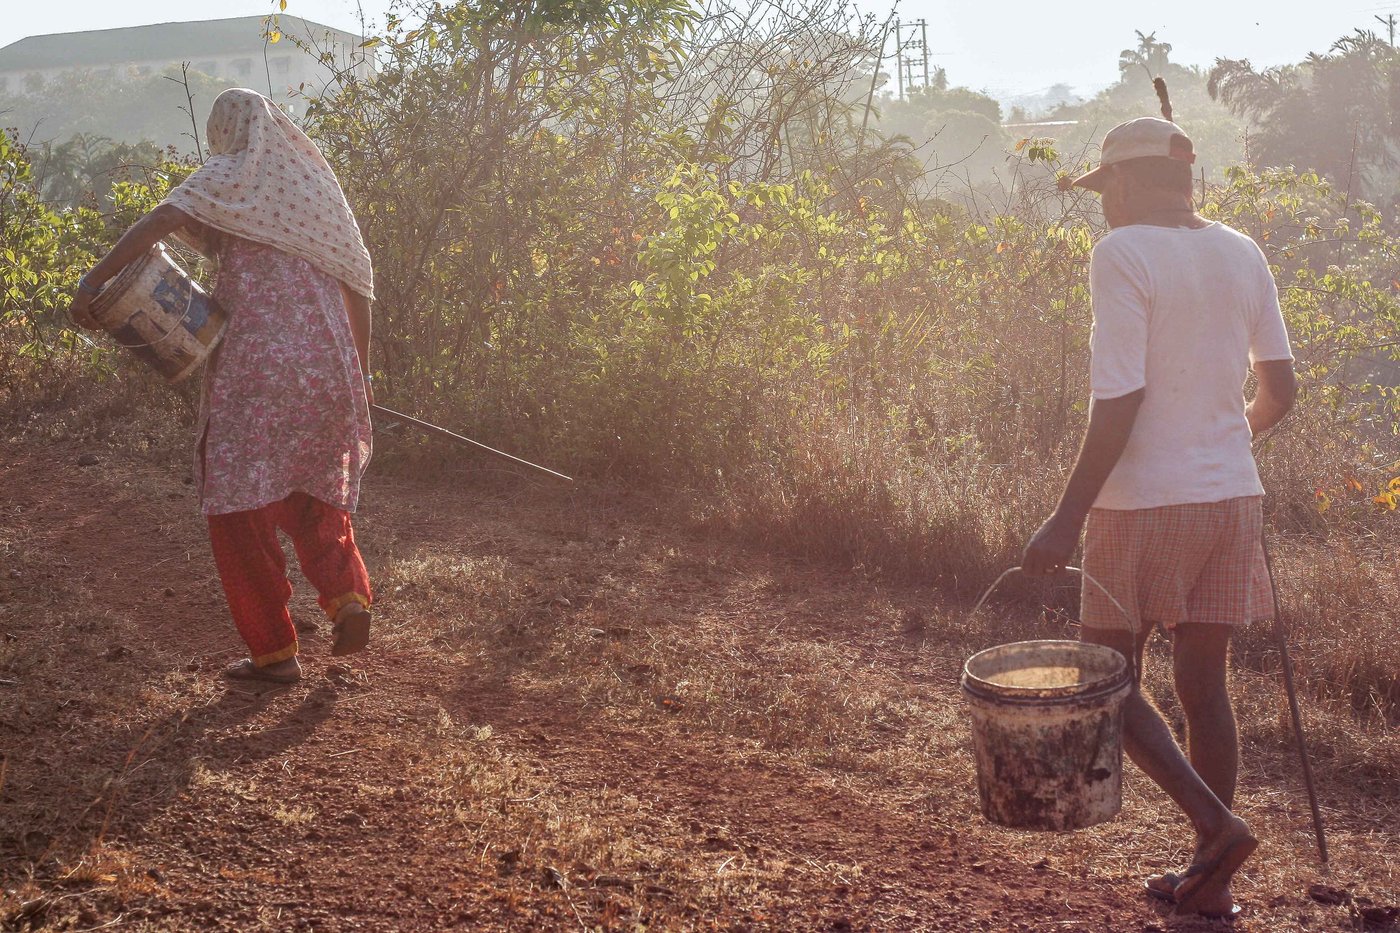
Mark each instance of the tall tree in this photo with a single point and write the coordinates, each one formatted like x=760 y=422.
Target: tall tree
x=1334 y=112
x=87 y=166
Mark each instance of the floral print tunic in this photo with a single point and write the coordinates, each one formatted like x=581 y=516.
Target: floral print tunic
x=283 y=408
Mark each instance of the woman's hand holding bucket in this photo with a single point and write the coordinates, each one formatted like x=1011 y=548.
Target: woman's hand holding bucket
x=80 y=310
x=145 y=233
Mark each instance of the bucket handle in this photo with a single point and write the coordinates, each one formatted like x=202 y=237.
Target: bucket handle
x=1128 y=619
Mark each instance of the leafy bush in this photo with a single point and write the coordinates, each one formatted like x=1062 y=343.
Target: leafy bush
x=44 y=252
x=569 y=262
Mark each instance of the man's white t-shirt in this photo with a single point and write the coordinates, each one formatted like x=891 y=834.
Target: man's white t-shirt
x=1182 y=313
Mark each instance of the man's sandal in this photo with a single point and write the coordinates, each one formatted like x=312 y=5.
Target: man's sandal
x=351 y=629
x=1215 y=867
x=1162 y=887
x=248 y=671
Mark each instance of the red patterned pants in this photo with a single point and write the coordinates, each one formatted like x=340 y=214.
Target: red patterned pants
x=253 y=568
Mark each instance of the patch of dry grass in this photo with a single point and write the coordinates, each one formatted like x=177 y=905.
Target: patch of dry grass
x=852 y=492
x=855 y=682
x=1341 y=599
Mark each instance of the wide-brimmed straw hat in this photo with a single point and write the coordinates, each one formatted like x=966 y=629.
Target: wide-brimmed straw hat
x=1145 y=137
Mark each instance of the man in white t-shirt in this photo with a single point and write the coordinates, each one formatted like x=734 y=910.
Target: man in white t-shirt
x=1166 y=480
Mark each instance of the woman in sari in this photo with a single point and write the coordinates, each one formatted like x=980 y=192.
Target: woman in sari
x=284 y=428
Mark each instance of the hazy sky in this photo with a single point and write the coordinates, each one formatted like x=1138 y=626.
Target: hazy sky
x=1008 y=46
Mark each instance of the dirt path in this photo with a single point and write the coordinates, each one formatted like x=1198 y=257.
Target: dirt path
x=570 y=720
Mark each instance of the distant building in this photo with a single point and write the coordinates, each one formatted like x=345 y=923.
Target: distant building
x=234 y=50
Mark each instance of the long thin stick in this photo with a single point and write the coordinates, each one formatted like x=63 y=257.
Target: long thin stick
x=443 y=432
x=189 y=96
x=874 y=78
x=1281 y=634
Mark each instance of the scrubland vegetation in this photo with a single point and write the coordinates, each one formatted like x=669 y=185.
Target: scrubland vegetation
x=678 y=248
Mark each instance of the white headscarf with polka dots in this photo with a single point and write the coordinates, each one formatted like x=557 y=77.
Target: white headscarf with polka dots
x=266 y=181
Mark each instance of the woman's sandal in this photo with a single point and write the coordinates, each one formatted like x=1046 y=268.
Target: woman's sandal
x=351 y=629
x=247 y=670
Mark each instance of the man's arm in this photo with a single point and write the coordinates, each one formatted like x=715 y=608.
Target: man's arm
x=1110 y=424
x=1278 y=387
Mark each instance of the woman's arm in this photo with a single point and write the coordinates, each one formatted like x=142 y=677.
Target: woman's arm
x=358 y=311
x=145 y=233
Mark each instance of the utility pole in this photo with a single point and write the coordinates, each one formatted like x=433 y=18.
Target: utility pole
x=910 y=52
x=923 y=44
x=1389 y=23
x=899 y=56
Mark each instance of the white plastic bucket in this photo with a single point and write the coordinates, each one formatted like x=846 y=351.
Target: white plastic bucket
x=159 y=313
x=1047 y=727
x=1047 y=732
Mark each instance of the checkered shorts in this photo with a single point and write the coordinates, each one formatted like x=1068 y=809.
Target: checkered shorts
x=1202 y=562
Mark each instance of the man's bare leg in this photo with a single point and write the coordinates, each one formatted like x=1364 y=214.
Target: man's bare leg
x=1199 y=657
x=1149 y=742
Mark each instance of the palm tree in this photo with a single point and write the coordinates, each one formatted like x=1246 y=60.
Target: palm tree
x=66 y=170
x=85 y=168
x=1150 y=55
x=1249 y=93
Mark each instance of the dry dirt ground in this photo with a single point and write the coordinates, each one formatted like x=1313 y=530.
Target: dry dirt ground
x=574 y=716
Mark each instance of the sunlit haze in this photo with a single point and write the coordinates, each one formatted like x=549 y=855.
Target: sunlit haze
x=1005 y=48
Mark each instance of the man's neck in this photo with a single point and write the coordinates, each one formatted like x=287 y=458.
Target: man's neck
x=1166 y=210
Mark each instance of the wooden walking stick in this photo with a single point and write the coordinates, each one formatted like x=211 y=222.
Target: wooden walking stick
x=1281 y=636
